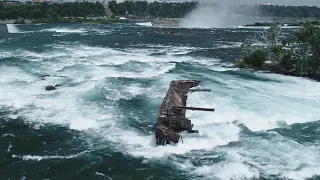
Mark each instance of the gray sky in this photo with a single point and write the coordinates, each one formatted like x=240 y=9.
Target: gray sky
x=279 y=2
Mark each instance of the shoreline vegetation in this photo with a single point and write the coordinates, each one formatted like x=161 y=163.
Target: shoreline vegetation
x=53 y=13
x=296 y=54
x=269 y=24
x=87 y=12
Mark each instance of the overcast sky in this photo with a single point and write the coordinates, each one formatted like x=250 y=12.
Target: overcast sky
x=280 y=2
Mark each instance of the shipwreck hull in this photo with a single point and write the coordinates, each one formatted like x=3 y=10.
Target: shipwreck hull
x=171 y=115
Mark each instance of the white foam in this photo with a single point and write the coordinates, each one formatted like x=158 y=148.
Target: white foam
x=65 y=30
x=9 y=147
x=259 y=105
x=232 y=168
x=100 y=174
x=39 y=158
x=36 y=104
x=5 y=135
x=252 y=27
x=82 y=124
x=66 y=55
x=208 y=139
x=12 y=28
x=229 y=45
x=22 y=91
x=211 y=135
x=153 y=71
x=282 y=157
x=12 y=74
x=148 y=24
x=130 y=91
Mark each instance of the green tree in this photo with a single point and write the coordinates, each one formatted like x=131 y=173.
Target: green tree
x=301 y=59
x=53 y=11
x=154 y=9
x=257 y=58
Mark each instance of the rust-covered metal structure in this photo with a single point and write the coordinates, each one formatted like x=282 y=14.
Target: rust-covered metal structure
x=172 y=113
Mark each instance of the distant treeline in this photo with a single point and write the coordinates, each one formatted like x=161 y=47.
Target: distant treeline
x=154 y=9
x=313 y=22
x=280 y=11
x=290 y=11
x=296 y=54
x=44 y=10
x=176 y=10
x=141 y=9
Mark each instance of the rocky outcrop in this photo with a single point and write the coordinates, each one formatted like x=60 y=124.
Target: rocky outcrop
x=43 y=77
x=50 y=87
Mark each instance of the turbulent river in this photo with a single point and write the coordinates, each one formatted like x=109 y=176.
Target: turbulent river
x=99 y=124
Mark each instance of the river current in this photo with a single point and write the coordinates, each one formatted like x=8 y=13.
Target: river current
x=99 y=124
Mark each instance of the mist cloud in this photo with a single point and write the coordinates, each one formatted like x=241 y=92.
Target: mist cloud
x=222 y=15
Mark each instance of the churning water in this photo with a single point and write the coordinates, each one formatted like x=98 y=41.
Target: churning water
x=99 y=124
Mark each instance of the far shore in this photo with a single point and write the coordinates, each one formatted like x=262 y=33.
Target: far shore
x=156 y=22
x=60 y=20
x=94 y=20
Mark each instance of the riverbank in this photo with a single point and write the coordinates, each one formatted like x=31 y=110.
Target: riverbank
x=62 y=20
x=294 y=22
x=295 y=54
x=156 y=22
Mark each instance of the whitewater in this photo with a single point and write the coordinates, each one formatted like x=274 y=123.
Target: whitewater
x=99 y=124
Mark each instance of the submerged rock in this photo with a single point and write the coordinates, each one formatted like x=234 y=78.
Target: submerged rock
x=50 y=88
x=43 y=77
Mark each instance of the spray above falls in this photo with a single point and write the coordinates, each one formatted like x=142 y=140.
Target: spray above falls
x=210 y=15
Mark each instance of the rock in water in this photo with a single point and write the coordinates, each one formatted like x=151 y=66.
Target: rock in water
x=43 y=77
x=49 y=88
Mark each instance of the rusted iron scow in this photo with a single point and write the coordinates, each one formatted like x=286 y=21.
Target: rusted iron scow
x=172 y=113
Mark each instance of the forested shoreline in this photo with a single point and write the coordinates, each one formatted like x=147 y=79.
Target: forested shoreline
x=139 y=9
x=44 y=10
x=281 y=11
x=296 y=54
x=179 y=10
x=154 y=9
x=51 y=13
